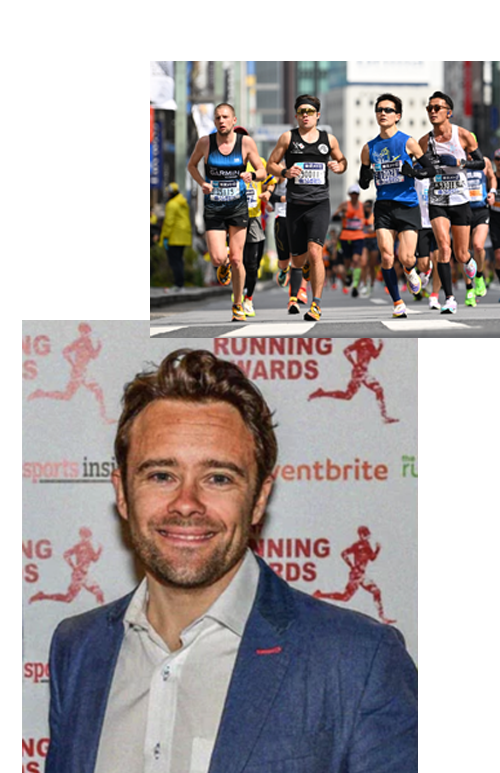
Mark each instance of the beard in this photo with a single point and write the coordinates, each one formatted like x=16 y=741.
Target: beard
x=186 y=569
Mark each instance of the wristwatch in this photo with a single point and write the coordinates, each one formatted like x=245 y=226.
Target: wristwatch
x=283 y=173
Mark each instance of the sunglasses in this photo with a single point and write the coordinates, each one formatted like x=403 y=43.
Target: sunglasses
x=306 y=111
x=436 y=108
x=385 y=110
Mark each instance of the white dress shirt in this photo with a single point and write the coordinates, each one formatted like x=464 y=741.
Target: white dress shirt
x=165 y=707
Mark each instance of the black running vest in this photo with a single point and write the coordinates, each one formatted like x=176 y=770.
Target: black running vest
x=312 y=158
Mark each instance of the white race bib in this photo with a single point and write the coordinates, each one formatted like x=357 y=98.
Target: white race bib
x=225 y=190
x=310 y=173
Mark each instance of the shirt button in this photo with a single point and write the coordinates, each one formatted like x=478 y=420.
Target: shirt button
x=166 y=673
x=156 y=751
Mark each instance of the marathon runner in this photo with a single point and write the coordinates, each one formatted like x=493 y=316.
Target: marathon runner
x=371 y=251
x=286 y=275
x=387 y=159
x=305 y=151
x=479 y=181
x=226 y=209
x=449 y=201
x=352 y=236
x=494 y=202
x=426 y=251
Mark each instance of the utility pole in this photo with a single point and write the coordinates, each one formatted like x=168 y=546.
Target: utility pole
x=181 y=125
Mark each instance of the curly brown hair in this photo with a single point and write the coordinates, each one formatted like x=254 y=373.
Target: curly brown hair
x=200 y=376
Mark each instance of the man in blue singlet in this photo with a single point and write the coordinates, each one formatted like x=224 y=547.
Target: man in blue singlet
x=308 y=154
x=225 y=188
x=387 y=160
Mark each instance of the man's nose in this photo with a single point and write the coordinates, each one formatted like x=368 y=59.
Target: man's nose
x=187 y=500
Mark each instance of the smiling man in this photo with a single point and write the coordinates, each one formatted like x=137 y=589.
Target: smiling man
x=213 y=663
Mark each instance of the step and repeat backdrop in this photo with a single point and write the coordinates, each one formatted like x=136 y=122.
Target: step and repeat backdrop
x=342 y=521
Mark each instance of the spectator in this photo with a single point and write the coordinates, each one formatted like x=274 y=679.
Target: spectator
x=176 y=232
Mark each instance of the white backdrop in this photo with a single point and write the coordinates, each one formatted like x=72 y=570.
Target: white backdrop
x=342 y=466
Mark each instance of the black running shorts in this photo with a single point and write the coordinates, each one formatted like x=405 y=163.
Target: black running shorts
x=220 y=221
x=307 y=224
x=426 y=243
x=397 y=217
x=480 y=216
x=495 y=230
x=460 y=214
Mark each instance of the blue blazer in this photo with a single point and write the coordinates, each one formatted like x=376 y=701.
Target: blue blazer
x=315 y=689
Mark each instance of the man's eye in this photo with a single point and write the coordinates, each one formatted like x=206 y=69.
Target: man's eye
x=220 y=479
x=160 y=476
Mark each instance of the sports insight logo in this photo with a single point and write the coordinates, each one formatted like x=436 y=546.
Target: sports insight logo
x=79 y=355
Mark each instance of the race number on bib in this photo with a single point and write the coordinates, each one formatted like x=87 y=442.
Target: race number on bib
x=310 y=174
x=251 y=196
x=444 y=184
x=225 y=190
x=388 y=173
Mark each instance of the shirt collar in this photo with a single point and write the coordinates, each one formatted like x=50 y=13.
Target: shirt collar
x=231 y=609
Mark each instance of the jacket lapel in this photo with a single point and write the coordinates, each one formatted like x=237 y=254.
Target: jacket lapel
x=98 y=663
x=263 y=659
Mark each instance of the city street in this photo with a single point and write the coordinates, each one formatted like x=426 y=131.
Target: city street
x=343 y=316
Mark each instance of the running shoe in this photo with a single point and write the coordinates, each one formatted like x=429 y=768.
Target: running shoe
x=413 y=281
x=293 y=306
x=425 y=276
x=283 y=276
x=434 y=302
x=248 y=307
x=314 y=313
x=224 y=274
x=480 y=286
x=365 y=291
x=302 y=295
x=354 y=292
x=306 y=271
x=450 y=306
x=471 y=268
x=238 y=313
x=470 y=297
x=399 y=310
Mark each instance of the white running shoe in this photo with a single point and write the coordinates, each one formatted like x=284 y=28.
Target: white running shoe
x=450 y=306
x=471 y=268
x=248 y=307
x=413 y=282
x=425 y=276
x=434 y=302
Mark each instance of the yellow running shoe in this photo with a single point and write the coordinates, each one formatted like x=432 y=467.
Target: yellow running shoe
x=293 y=306
x=314 y=313
x=224 y=274
x=238 y=313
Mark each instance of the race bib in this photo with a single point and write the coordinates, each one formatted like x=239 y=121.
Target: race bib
x=225 y=190
x=388 y=173
x=444 y=184
x=251 y=196
x=310 y=174
x=354 y=224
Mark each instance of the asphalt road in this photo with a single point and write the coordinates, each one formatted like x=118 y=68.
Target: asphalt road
x=343 y=316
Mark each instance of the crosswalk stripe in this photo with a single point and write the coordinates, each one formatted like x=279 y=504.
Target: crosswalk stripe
x=167 y=329
x=271 y=329
x=422 y=324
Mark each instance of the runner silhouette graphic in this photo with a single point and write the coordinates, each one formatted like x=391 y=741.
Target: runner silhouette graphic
x=357 y=557
x=79 y=354
x=360 y=354
x=79 y=558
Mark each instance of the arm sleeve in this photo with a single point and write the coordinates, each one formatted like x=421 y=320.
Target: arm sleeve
x=385 y=733
x=365 y=176
x=476 y=162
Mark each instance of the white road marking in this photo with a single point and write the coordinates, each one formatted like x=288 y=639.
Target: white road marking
x=269 y=329
x=423 y=324
x=154 y=331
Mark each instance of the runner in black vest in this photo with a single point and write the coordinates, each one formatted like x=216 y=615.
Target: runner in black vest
x=308 y=154
x=225 y=207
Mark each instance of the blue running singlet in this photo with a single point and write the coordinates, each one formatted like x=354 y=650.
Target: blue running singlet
x=386 y=158
x=229 y=190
